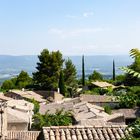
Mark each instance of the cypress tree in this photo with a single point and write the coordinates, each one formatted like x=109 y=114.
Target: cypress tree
x=83 y=71
x=114 y=70
x=62 y=84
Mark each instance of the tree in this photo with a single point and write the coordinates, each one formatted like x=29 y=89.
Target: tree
x=23 y=79
x=83 y=71
x=7 y=85
x=48 y=70
x=133 y=71
x=95 y=76
x=62 y=84
x=114 y=77
x=70 y=77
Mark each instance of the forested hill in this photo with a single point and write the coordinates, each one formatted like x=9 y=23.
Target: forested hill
x=12 y=65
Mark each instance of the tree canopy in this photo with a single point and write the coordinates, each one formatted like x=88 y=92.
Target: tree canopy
x=70 y=77
x=133 y=71
x=48 y=70
x=95 y=76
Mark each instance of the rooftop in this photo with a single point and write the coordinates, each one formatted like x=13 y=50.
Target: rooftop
x=102 y=84
x=85 y=133
x=97 y=98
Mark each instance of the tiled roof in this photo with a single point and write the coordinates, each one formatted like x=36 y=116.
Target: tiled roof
x=20 y=105
x=16 y=116
x=128 y=113
x=22 y=135
x=97 y=98
x=4 y=98
x=88 y=114
x=52 y=107
x=29 y=95
x=85 y=133
x=102 y=84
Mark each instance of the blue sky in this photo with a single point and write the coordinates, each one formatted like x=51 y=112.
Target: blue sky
x=74 y=27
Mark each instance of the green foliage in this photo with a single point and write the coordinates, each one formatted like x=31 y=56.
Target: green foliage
x=48 y=70
x=133 y=71
x=136 y=128
x=83 y=71
x=36 y=105
x=107 y=109
x=91 y=92
x=23 y=79
x=70 y=77
x=135 y=131
x=19 y=82
x=95 y=76
x=7 y=85
x=60 y=118
x=62 y=84
x=128 y=100
x=119 y=80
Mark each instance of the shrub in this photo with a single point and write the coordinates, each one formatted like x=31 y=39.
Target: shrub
x=107 y=109
x=60 y=118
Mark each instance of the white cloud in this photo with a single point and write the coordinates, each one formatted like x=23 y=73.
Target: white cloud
x=87 y=14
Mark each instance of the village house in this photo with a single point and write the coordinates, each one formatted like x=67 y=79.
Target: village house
x=40 y=96
x=102 y=84
x=100 y=100
x=130 y=114
x=87 y=114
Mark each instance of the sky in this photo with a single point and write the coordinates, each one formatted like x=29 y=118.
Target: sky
x=75 y=27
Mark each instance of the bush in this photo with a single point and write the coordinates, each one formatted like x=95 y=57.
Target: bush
x=128 y=100
x=107 y=109
x=8 y=84
x=60 y=118
x=36 y=105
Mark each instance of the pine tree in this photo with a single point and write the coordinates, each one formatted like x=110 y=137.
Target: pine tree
x=70 y=77
x=62 y=84
x=48 y=70
x=83 y=71
x=114 y=71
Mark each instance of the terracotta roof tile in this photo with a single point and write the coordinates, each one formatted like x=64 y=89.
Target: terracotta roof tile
x=85 y=133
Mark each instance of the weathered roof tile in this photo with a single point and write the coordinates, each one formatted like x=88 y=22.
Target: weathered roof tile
x=85 y=133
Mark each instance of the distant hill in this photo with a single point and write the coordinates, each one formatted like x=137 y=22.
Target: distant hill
x=12 y=65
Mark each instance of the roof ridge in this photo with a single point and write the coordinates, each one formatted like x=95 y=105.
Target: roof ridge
x=85 y=127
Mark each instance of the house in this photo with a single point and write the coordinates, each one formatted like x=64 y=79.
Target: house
x=27 y=95
x=53 y=107
x=102 y=84
x=17 y=120
x=130 y=114
x=100 y=100
x=18 y=114
x=85 y=132
x=51 y=96
x=40 y=96
x=84 y=113
x=88 y=114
